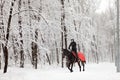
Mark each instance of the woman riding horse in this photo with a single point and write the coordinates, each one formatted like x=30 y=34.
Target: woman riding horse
x=71 y=59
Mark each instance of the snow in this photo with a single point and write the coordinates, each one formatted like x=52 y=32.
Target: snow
x=101 y=71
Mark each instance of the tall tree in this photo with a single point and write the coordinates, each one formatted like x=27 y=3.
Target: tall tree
x=21 y=35
x=118 y=41
x=2 y=33
x=63 y=27
x=5 y=49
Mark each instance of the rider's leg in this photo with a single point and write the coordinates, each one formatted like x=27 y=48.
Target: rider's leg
x=75 y=50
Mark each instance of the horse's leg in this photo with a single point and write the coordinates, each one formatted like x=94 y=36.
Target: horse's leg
x=83 y=64
x=79 y=65
x=68 y=65
x=71 y=67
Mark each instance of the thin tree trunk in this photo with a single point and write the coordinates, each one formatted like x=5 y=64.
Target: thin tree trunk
x=0 y=62
x=97 y=45
x=63 y=22
x=35 y=50
x=29 y=7
x=5 y=49
x=14 y=49
x=20 y=33
x=0 y=56
x=115 y=50
x=40 y=9
x=34 y=54
x=118 y=43
x=36 y=57
x=2 y=33
x=48 y=59
x=62 y=26
x=57 y=55
x=62 y=48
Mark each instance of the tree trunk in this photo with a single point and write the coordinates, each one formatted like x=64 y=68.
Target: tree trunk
x=0 y=56
x=48 y=59
x=97 y=45
x=5 y=50
x=62 y=48
x=15 y=49
x=63 y=27
x=0 y=62
x=57 y=55
x=20 y=33
x=118 y=43
x=36 y=57
x=2 y=33
x=34 y=54
x=34 y=50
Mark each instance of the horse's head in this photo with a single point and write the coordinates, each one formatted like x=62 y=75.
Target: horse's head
x=65 y=52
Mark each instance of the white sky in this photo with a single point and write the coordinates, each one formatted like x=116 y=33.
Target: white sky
x=104 y=5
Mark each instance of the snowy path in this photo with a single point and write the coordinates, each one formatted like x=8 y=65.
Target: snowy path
x=102 y=71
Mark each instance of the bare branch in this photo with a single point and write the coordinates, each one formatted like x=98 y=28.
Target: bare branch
x=32 y=11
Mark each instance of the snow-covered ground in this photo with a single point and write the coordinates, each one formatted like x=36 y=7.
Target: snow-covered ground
x=101 y=71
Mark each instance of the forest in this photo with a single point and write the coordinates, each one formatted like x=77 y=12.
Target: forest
x=34 y=32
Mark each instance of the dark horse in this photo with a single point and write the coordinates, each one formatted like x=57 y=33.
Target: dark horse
x=71 y=59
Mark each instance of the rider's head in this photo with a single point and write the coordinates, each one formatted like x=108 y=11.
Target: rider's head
x=72 y=40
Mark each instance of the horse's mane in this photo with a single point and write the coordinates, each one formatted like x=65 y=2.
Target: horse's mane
x=66 y=50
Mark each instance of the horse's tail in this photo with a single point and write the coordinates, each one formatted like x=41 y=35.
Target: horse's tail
x=85 y=62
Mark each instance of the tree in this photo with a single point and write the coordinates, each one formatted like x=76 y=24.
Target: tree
x=63 y=27
x=34 y=55
x=2 y=33
x=21 y=35
x=118 y=41
x=5 y=49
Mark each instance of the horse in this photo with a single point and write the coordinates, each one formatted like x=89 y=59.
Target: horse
x=71 y=59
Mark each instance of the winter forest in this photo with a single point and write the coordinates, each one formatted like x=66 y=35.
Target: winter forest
x=34 y=32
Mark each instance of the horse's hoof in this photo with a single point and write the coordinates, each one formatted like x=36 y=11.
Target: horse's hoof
x=80 y=70
x=71 y=71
